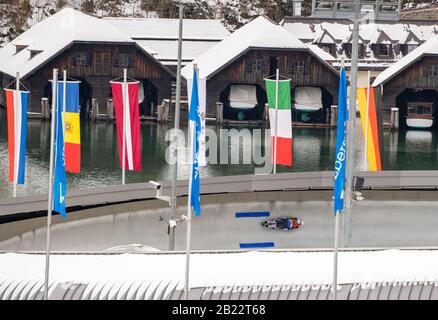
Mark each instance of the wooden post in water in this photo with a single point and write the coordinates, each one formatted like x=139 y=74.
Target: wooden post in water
x=219 y=112
x=45 y=109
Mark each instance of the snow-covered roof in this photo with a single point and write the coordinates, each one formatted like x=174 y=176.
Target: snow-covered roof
x=428 y=48
x=119 y=275
x=166 y=51
x=52 y=36
x=323 y=36
x=321 y=53
x=408 y=37
x=160 y=28
x=380 y=37
x=338 y=30
x=260 y=33
x=308 y=29
x=159 y=36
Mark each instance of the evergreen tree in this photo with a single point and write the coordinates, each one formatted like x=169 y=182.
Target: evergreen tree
x=88 y=6
x=111 y=8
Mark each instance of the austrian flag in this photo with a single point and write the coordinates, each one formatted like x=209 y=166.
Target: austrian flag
x=128 y=122
x=16 y=105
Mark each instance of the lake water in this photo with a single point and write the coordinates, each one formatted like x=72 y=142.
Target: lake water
x=313 y=150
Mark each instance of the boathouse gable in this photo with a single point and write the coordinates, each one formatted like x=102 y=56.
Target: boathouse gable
x=298 y=65
x=411 y=80
x=250 y=55
x=91 y=50
x=95 y=65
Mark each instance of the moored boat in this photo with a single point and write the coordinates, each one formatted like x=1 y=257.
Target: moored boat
x=420 y=115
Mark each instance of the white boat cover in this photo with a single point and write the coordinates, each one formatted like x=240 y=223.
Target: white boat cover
x=141 y=92
x=308 y=98
x=243 y=96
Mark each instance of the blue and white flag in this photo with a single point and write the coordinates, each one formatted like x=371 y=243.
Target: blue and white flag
x=59 y=183
x=341 y=149
x=195 y=121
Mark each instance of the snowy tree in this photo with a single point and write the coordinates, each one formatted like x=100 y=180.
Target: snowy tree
x=88 y=6
x=14 y=18
x=112 y=8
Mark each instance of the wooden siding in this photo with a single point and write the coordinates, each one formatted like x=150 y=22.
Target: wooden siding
x=414 y=77
x=143 y=67
x=316 y=73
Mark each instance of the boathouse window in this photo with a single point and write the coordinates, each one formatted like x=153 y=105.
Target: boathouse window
x=102 y=65
x=256 y=65
x=383 y=50
x=415 y=109
x=432 y=70
x=410 y=47
x=35 y=52
x=297 y=67
x=327 y=48
x=125 y=60
x=82 y=59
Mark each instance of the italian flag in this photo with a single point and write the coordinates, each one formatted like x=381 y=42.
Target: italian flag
x=282 y=131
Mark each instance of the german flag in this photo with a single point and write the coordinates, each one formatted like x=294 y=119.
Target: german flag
x=373 y=150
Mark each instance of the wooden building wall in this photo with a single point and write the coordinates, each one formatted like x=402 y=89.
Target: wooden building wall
x=415 y=77
x=101 y=68
x=315 y=73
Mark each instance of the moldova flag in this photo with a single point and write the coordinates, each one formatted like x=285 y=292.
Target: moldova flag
x=17 y=104
x=72 y=128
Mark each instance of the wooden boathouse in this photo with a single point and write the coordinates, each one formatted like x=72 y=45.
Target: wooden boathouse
x=235 y=70
x=93 y=51
x=410 y=87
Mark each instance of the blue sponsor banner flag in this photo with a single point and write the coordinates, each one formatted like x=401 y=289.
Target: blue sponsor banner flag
x=340 y=161
x=59 y=183
x=195 y=119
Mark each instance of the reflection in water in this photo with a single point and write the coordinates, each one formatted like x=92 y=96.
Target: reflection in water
x=410 y=150
x=419 y=138
x=392 y=138
x=313 y=150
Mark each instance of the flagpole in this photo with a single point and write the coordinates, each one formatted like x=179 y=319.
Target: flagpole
x=366 y=123
x=335 y=261
x=125 y=94
x=189 y=200
x=337 y=225
x=176 y=127
x=50 y=198
x=189 y=230
x=64 y=91
x=277 y=79
x=16 y=152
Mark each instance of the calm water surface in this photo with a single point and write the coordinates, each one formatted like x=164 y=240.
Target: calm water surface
x=313 y=150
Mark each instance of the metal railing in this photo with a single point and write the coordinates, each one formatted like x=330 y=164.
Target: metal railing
x=385 y=180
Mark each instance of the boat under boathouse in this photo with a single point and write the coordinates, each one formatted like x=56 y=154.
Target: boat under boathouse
x=236 y=67
x=410 y=87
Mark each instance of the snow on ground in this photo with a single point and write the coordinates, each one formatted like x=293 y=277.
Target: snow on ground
x=252 y=268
